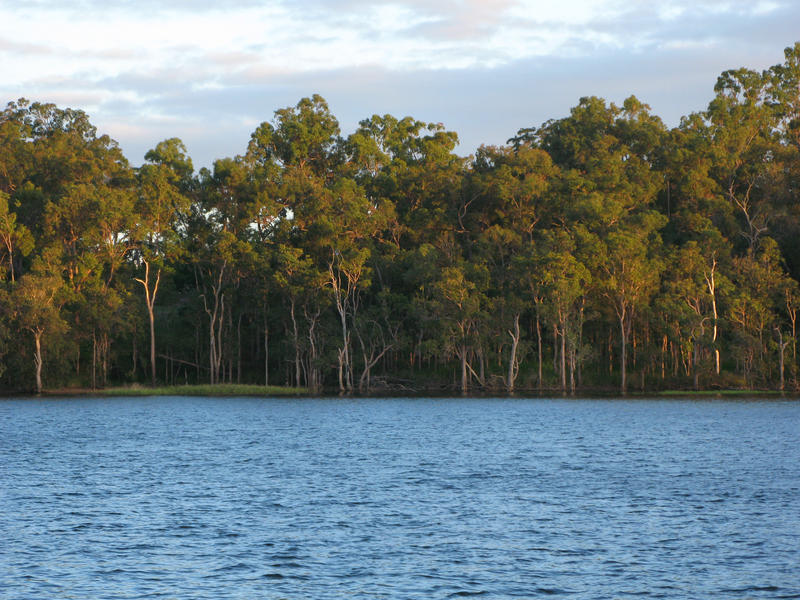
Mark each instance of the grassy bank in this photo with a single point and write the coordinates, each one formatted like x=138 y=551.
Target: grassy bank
x=220 y=389
x=233 y=390
x=733 y=392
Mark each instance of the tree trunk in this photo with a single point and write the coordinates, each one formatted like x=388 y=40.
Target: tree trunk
x=782 y=348
x=578 y=350
x=481 y=367
x=296 y=340
x=314 y=380
x=539 y=344
x=11 y=261
x=572 y=364
x=220 y=338
x=216 y=318
x=152 y=318
x=792 y=310
x=197 y=350
x=135 y=353
x=150 y=299
x=555 y=348
x=105 y=351
x=712 y=290
x=239 y=350
x=266 y=354
x=624 y=350
x=340 y=358
x=370 y=359
x=512 y=362
x=94 y=360
x=345 y=378
x=464 y=385
x=343 y=296
x=563 y=357
x=37 y=358
x=212 y=352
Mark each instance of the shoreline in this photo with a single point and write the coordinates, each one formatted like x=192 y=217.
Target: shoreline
x=249 y=390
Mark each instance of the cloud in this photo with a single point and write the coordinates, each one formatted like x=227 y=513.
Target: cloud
x=210 y=71
x=461 y=21
x=483 y=105
x=23 y=48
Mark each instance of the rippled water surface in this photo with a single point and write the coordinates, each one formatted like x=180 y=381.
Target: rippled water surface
x=399 y=498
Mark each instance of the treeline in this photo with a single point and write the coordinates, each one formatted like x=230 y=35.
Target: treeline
x=598 y=250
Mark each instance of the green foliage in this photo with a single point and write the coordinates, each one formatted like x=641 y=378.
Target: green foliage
x=595 y=250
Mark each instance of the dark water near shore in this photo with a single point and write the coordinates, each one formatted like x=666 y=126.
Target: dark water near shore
x=393 y=498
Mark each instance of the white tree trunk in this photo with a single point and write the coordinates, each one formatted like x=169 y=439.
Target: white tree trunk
x=37 y=358
x=513 y=367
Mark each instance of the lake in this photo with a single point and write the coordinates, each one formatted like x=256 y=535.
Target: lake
x=399 y=498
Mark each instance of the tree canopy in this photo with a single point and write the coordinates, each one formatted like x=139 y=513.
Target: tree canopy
x=599 y=250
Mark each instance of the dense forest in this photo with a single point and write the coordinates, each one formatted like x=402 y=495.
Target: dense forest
x=602 y=250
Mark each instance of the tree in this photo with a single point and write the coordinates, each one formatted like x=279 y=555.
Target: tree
x=459 y=296
x=163 y=184
x=631 y=274
x=35 y=299
x=566 y=281
x=693 y=283
x=14 y=237
x=742 y=126
x=301 y=282
x=511 y=193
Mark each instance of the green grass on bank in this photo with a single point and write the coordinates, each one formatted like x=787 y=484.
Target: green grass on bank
x=233 y=390
x=733 y=392
x=220 y=389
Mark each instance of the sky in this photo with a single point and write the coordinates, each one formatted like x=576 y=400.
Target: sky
x=210 y=71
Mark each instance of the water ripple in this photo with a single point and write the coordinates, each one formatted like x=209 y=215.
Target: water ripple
x=409 y=498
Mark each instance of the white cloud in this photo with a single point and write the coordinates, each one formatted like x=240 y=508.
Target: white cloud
x=209 y=71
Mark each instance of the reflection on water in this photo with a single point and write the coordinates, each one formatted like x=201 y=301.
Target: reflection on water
x=403 y=498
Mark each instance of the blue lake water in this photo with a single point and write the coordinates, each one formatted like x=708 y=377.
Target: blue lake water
x=399 y=498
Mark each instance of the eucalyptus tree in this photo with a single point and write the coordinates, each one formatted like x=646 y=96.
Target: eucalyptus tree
x=217 y=258
x=791 y=304
x=77 y=198
x=459 y=299
x=17 y=241
x=412 y=180
x=513 y=195
x=15 y=147
x=350 y=227
x=300 y=153
x=36 y=301
x=692 y=288
x=236 y=219
x=783 y=91
x=742 y=127
x=629 y=275
x=301 y=283
x=759 y=311
x=15 y=168
x=164 y=187
x=412 y=164
x=609 y=157
x=566 y=280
